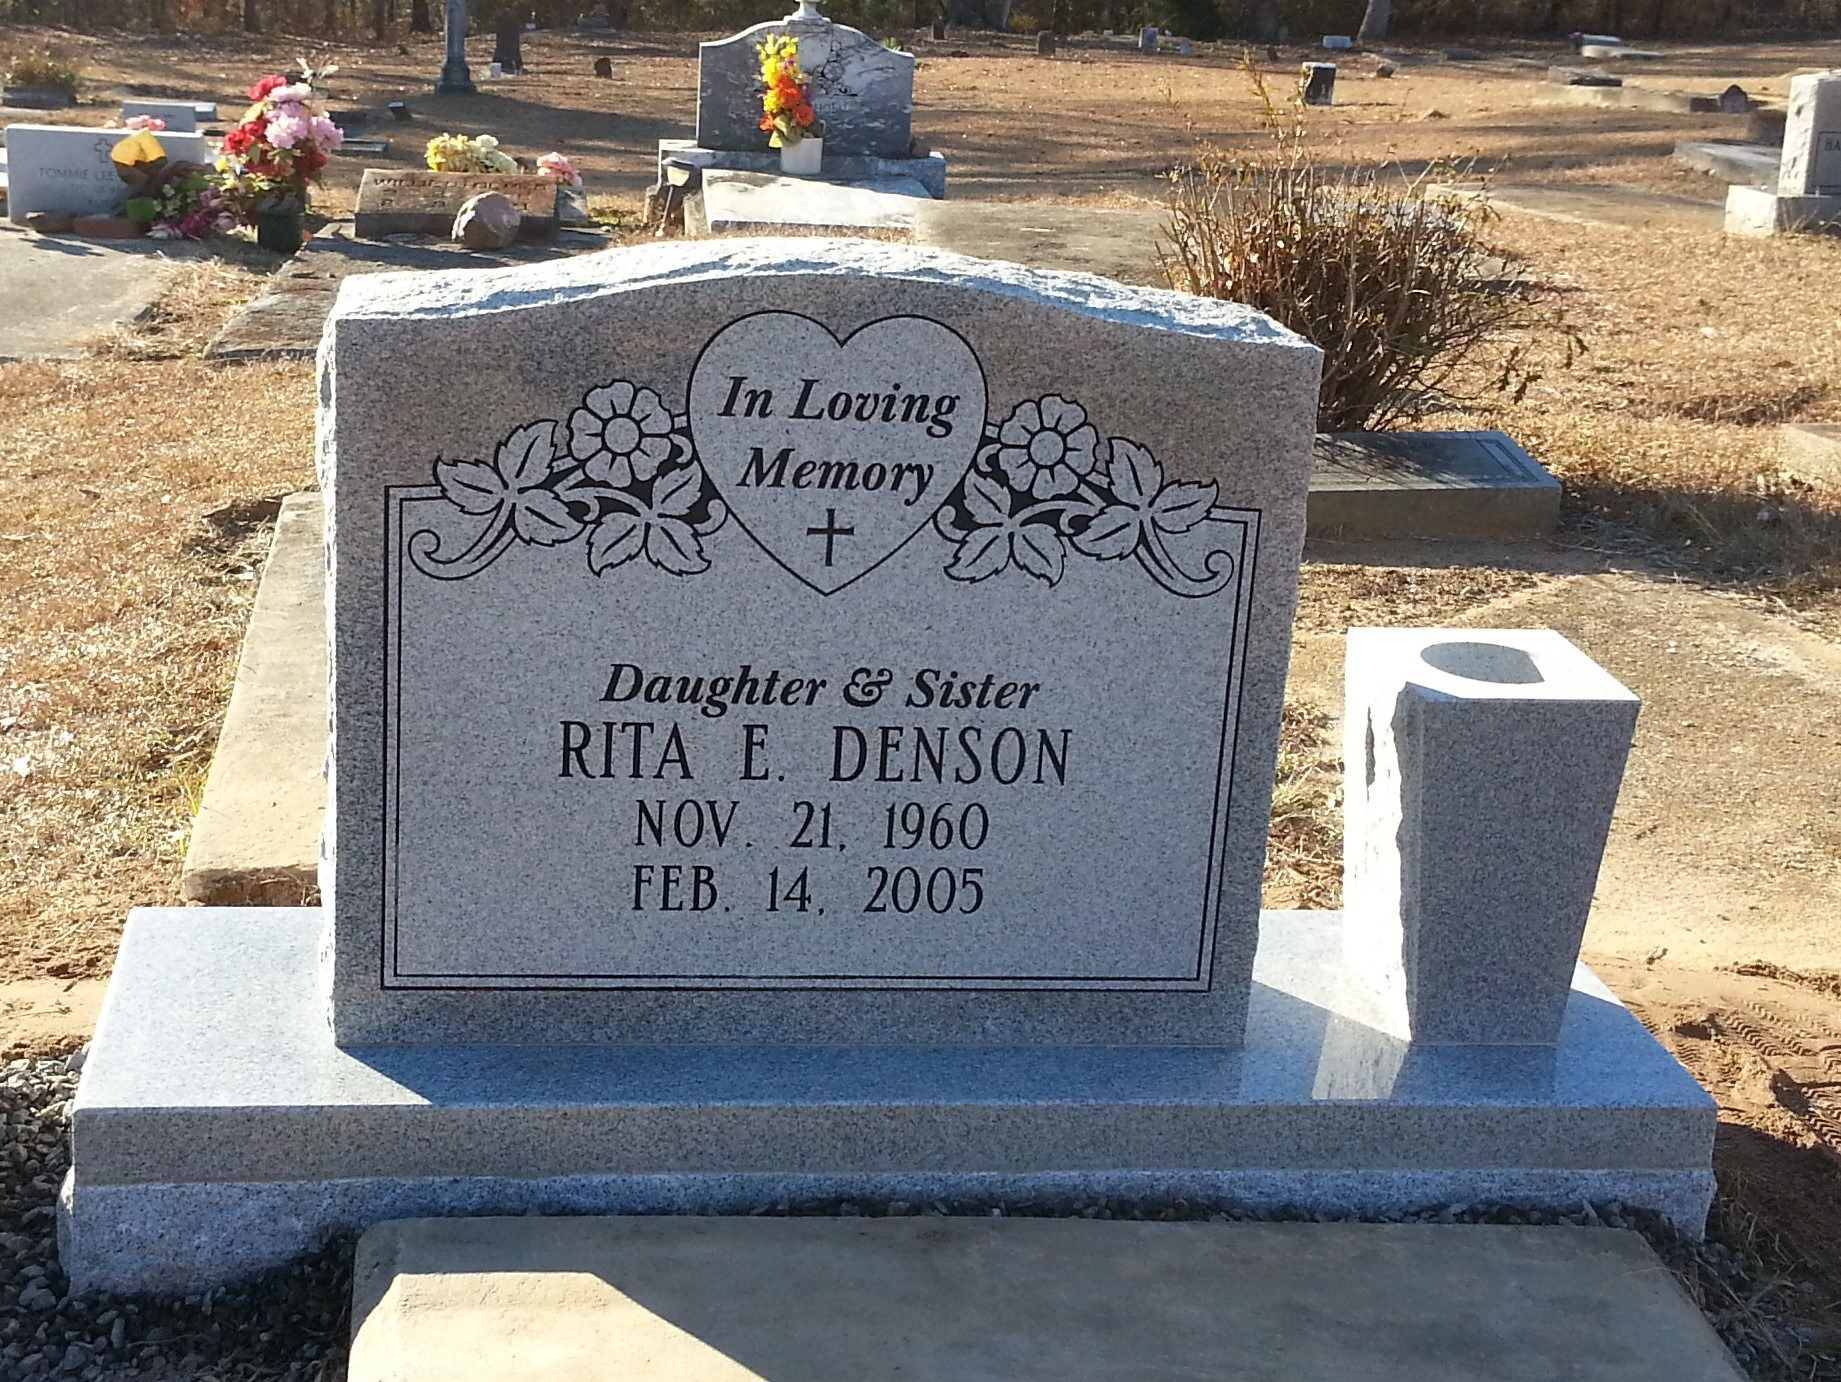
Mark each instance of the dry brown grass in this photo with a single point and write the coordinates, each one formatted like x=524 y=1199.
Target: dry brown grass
x=122 y=604
x=1304 y=850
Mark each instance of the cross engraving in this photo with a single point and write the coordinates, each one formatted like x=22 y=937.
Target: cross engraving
x=830 y=533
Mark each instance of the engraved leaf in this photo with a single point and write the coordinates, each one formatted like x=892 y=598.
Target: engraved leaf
x=1135 y=473
x=671 y=545
x=986 y=499
x=616 y=540
x=1179 y=506
x=1112 y=534
x=1039 y=550
x=677 y=493
x=470 y=486
x=525 y=457
x=980 y=556
x=541 y=518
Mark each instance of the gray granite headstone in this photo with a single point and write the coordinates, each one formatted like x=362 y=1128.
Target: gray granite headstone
x=68 y=168
x=862 y=91
x=1812 y=137
x=803 y=641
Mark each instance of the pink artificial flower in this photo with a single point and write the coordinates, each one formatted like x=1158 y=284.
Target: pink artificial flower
x=285 y=130
x=293 y=95
x=324 y=133
x=556 y=166
x=144 y=122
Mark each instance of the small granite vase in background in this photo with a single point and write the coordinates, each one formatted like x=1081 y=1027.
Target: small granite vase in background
x=281 y=231
x=803 y=158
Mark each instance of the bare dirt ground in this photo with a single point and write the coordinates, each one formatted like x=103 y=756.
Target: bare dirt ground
x=1691 y=563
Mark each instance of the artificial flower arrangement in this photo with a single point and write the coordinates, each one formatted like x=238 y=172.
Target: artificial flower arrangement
x=460 y=153
x=151 y=123
x=175 y=201
x=786 y=104
x=556 y=166
x=278 y=149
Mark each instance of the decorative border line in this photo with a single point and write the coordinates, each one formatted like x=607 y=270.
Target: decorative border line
x=392 y=978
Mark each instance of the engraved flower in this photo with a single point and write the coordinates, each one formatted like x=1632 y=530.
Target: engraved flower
x=1141 y=502
x=1046 y=445
x=621 y=434
x=515 y=478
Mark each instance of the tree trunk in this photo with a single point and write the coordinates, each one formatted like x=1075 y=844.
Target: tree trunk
x=1374 y=21
x=419 y=19
x=252 y=19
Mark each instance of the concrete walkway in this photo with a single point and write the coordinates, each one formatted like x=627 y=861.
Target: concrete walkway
x=56 y=292
x=1015 y=1300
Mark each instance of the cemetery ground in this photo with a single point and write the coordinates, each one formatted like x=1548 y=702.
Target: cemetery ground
x=140 y=484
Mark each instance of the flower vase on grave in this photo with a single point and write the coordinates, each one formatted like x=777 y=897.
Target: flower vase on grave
x=802 y=157
x=281 y=231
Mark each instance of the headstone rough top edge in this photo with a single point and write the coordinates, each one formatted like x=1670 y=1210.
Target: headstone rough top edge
x=463 y=292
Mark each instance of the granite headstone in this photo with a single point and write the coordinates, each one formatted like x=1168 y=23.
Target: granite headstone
x=68 y=168
x=1812 y=137
x=181 y=117
x=804 y=642
x=863 y=91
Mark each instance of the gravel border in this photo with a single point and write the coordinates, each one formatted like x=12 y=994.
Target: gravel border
x=292 y=1323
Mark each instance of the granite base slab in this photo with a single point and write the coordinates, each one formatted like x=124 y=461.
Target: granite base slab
x=218 y=1130
x=928 y=170
x=1755 y=211
x=764 y=204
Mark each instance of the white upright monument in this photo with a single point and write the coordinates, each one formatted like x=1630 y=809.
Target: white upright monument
x=1808 y=191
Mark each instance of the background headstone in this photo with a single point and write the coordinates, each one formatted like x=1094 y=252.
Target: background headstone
x=1812 y=137
x=862 y=91
x=1045 y=43
x=1147 y=40
x=68 y=168
x=181 y=117
x=456 y=78
x=1319 y=82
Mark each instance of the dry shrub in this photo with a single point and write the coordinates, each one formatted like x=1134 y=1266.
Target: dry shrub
x=39 y=67
x=1390 y=279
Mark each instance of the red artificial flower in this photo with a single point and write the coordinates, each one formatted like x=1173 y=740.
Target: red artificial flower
x=262 y=88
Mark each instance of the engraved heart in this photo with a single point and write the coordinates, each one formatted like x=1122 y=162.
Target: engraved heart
x=833 y=454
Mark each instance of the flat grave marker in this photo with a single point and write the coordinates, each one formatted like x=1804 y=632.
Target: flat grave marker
x=425 y=203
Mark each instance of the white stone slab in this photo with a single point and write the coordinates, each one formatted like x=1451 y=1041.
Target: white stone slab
x=862 y=91
x=180 y=116
x=1812 y=137
x=935 y=545
x=762 y=202
x=67 y=168
x=219 y=1130
x=961 y=1299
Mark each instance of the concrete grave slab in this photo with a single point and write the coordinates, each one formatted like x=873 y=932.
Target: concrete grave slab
x=1596 y=204
x=1624 y=97
x=1429 y=484
x=1752 y=165
x=226 y=1133
x=1111 y=242
x=732 y=202
x=1812 y=450
x=1075 y=941
x=862 y=91
x=1757 y=211
x=1015 y=1300
x=256 y=837
x=68 y=168
x=41 y=318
